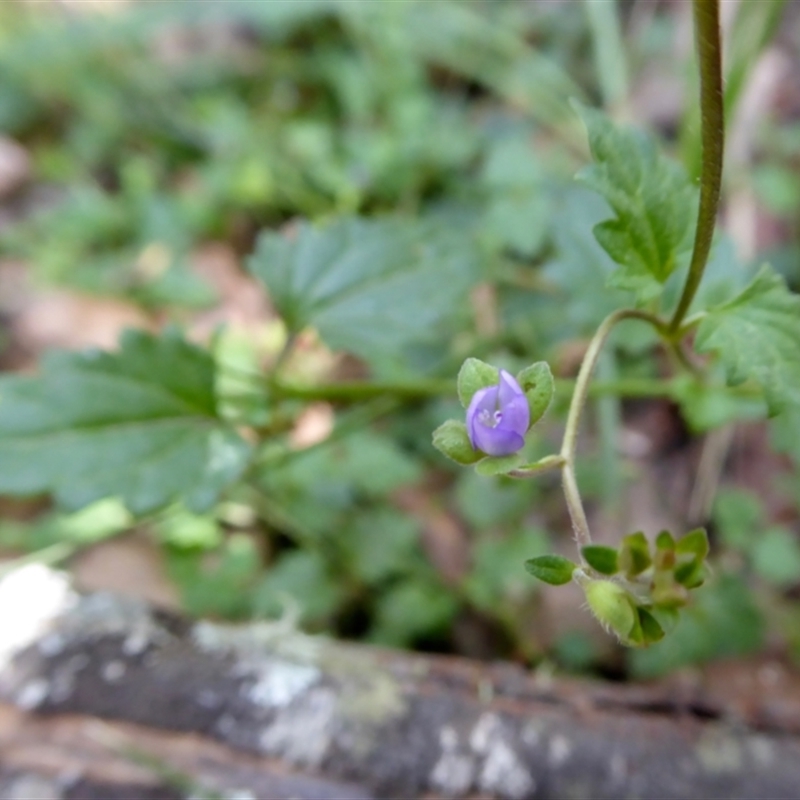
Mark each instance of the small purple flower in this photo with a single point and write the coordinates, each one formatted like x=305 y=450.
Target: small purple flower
x=498 y=417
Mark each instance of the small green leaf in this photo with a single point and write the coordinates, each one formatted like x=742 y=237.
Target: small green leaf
x=652 y=199
x=693 y=543
x=756 y=335
x=452 y=440
x=537 y=383
x=555 y=570
x=498 y=465
x=651 y=629
x=473 y=376
x=601 y=558
x=634 y=556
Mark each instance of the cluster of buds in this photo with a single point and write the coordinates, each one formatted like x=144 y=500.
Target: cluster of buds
x=634 y=591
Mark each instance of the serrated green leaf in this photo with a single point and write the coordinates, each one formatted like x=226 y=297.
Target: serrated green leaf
x=371 y=287
x=140 y=424
x=756 y=335
x=498 y=465
x=652 y=199
x=473 y=376
x=580 y=262
x=537 y=383
x=634 y=555
x=555 y=570
x=452 y=440
x=601 y=558
x=694 y=543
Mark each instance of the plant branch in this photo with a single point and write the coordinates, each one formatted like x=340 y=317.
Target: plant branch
x=356 y=391
x=706 y=19
x=579 y=396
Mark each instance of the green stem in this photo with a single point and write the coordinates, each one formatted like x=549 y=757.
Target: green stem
x=354 y=391
x=706 y=20
x=537 y=468
x=570 y=485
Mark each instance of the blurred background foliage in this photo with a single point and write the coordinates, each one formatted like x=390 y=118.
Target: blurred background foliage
x=156 y=146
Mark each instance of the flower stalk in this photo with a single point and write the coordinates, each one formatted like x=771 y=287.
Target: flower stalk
x=572 y=495
x=709 y=53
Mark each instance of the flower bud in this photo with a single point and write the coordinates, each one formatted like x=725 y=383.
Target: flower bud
x=614 y=608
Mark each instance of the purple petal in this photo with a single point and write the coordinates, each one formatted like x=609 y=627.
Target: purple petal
x=513 y=404
x=483 y=400
x=496 y=441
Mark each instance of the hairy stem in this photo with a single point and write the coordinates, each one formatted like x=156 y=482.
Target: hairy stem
x=579 y=396
x=709 y=51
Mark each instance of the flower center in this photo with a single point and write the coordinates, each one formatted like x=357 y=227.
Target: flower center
x=489 y=419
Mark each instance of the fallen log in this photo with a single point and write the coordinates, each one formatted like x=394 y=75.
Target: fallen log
x=265 y=711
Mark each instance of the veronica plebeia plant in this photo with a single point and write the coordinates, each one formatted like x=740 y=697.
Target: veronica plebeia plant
x=637 y=589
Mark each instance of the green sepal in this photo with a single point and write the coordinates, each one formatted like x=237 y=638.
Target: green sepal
x=538 y=384
x=695 y=543
x=498 y=465
x=690 y=575
x=664 y=557
x=634 y=555
x=665 y=541
x=650 y=627
x=667 y=592
x=604 y=560
x=667 y=617
x=473 y=376
x=555 y=570
x=452 y=440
